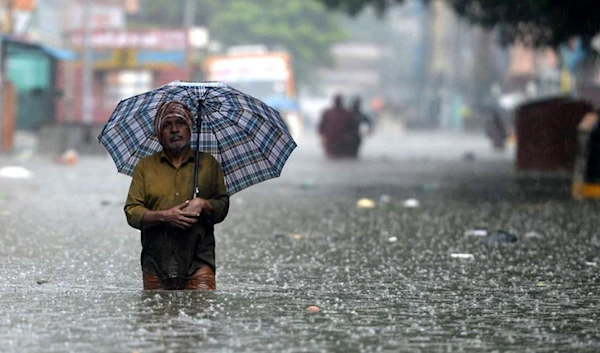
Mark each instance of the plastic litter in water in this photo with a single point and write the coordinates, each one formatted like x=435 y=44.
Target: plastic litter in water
x=500 y=236
x=476 y=233
x=313 y=309
x=365 y=203
x=392 y=239
x=533 y=235
x=462 y=256
x=590 y=263
x=15 y=172
x=69 y=157
x=307 y=184
x=411 y=203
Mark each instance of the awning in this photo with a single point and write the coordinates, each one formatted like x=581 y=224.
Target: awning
x=60 y=54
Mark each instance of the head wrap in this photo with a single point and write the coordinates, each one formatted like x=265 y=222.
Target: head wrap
x=170 y=109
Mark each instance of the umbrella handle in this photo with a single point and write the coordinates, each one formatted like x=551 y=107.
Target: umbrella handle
x=196 y=191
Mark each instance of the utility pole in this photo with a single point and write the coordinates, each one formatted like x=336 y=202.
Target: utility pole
x=2 y=117
x=189 y=13
x=87 y=92
x=69 y=64
x=4 y=7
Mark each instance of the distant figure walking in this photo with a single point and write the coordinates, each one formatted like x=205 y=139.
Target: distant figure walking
x=495 y=130
x=336 y=129
x=359 y=119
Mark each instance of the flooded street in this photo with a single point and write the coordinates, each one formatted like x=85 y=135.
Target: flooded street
x=398 y=277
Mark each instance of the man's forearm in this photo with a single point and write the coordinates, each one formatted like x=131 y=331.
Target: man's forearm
x=152 y=218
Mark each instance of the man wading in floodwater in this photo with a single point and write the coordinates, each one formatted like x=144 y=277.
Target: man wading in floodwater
x=178 y=244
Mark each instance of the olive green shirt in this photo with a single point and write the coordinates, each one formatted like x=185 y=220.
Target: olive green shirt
x=157 y=185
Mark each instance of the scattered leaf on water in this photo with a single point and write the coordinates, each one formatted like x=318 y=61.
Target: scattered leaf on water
x=297 y=236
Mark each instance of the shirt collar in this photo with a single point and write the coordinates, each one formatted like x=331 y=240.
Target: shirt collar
x=189 y=156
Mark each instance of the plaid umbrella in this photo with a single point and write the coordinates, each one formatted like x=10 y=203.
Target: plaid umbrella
x=248 y=138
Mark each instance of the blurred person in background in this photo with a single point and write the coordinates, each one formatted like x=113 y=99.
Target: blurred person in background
x=177 y=231
x=495 y=129
x=360 y=120
x=337 y=130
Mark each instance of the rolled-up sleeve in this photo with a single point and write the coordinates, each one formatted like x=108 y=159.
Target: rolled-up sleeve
x=220 y=199
x=135 y=207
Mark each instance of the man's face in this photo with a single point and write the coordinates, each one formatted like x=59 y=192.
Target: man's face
x=175 y=133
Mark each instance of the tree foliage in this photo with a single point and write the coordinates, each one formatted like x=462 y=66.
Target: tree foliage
x=302 y=28
x=353 y=7
x=538 y=22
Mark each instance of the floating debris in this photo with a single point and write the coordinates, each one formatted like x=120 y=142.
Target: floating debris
x=533 y=235
x=69 y=157
x=385 y=198
x=469 y=156
x=313 y=309
x=411 y=203
x=431 y=187
x=365 y=203
x=476 y=233
x=500 y=236
x=393 y=239
x=462 y=256
x=289 y=235
x=307 y=184
x=541 y=284
x=15 y=172
x=591 y=263
x=42 y=281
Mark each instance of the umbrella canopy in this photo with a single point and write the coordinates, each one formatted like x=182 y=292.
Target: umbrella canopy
x=247 y=137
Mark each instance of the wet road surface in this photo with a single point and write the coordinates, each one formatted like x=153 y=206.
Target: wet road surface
x=387 y=279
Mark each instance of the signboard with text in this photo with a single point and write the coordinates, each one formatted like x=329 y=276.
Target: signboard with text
x=149 y=39
x=107 y=15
